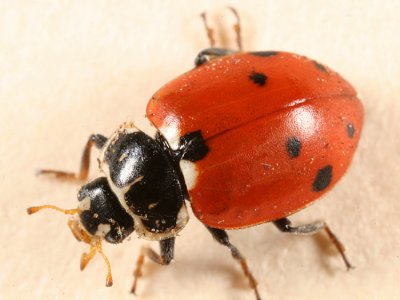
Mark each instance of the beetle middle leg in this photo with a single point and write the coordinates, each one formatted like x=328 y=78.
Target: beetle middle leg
x=97 y=140
x=237 y=28
x=209 y=30
x=164 y=258
x=222 y=237
x=285 y=225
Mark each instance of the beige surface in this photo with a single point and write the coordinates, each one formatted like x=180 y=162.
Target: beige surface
x=71 y=68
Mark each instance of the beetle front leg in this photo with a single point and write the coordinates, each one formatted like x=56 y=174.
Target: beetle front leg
x=285 y=225
x=164 y=258
x=95 y=139
x=222 y=237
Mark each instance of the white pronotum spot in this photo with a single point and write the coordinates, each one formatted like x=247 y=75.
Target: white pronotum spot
x=171 y=131
x=190 y=173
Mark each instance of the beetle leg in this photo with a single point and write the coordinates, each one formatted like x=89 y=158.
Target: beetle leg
x=237 y=28
x=285 y=225
x=210 y=54
x=222 y=237
x=209 y=30
x=95 y=139
x=164 y=258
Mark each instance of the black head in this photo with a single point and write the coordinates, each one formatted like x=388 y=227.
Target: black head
x=101 y=214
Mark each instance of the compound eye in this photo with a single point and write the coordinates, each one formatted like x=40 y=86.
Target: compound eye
x=115 y=235
x=113 y=238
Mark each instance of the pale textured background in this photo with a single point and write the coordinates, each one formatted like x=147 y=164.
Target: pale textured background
x=71 y=68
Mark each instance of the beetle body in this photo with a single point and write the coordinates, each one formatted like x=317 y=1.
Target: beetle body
x=247 y=138
x=281 y=130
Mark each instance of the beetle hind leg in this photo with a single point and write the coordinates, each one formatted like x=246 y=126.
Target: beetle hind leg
x=212 y=52
x=97 y=140
x=209 y=30
x=164 y=258
x=222 y=237
x=237 y=28
x=285 y=225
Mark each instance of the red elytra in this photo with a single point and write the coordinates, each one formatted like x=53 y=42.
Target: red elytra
x=281 y=130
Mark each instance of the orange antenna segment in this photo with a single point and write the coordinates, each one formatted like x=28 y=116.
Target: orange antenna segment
x=34 y=209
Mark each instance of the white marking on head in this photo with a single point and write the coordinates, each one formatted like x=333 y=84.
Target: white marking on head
x=84 y=204
x=102 y=230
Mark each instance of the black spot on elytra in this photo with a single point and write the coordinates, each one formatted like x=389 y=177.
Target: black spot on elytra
x=258 y=78
x=320 y=66
x=350 y=130
x=293 y=146
x=264 y=53
x=323 y=179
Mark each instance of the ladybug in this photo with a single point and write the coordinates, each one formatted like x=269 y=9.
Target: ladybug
x=244 y=137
